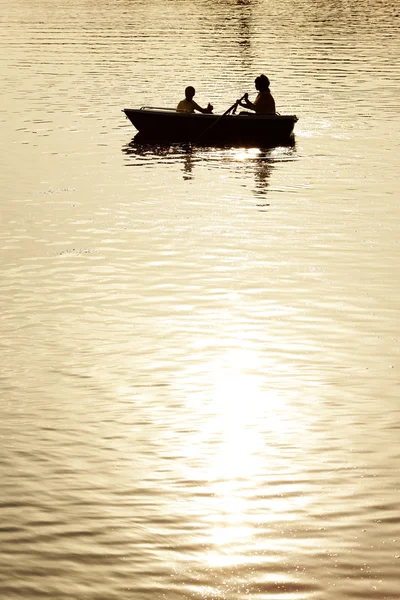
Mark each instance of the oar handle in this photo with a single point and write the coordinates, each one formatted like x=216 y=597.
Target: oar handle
x=238 y=102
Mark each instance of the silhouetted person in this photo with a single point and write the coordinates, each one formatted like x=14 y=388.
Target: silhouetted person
x=189 y=105
x=264 y=103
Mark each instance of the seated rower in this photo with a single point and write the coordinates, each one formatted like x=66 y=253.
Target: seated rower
x=189 y=105
x=264 y=102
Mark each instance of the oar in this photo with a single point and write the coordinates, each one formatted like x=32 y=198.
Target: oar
x=233 y=107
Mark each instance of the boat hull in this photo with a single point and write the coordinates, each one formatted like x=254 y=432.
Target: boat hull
x=248 y=128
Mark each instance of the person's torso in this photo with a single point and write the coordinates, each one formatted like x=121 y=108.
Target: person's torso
x=264 y=103
x=186 y=105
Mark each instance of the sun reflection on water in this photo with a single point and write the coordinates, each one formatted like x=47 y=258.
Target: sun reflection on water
x=246 y=457
x=247 y=419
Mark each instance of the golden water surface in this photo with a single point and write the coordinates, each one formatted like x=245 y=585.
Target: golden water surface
x=199 y=383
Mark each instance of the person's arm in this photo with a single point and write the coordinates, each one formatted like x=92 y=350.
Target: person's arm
x=209 y=108
x=247 y=103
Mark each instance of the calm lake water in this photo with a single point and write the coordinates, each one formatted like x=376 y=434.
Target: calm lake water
x=200 y=371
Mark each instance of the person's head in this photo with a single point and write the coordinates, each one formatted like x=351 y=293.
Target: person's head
x=189 y=92
x=262 y=83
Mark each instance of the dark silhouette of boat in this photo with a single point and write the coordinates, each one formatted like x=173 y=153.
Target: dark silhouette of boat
x=245 y=128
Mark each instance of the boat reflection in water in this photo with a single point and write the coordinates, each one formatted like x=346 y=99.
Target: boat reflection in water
x=256 y=162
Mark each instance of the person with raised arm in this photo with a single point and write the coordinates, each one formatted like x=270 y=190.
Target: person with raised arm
x=264 y=102
x=189 y=105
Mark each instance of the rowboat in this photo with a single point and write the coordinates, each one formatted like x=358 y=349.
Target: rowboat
x=167 y=124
